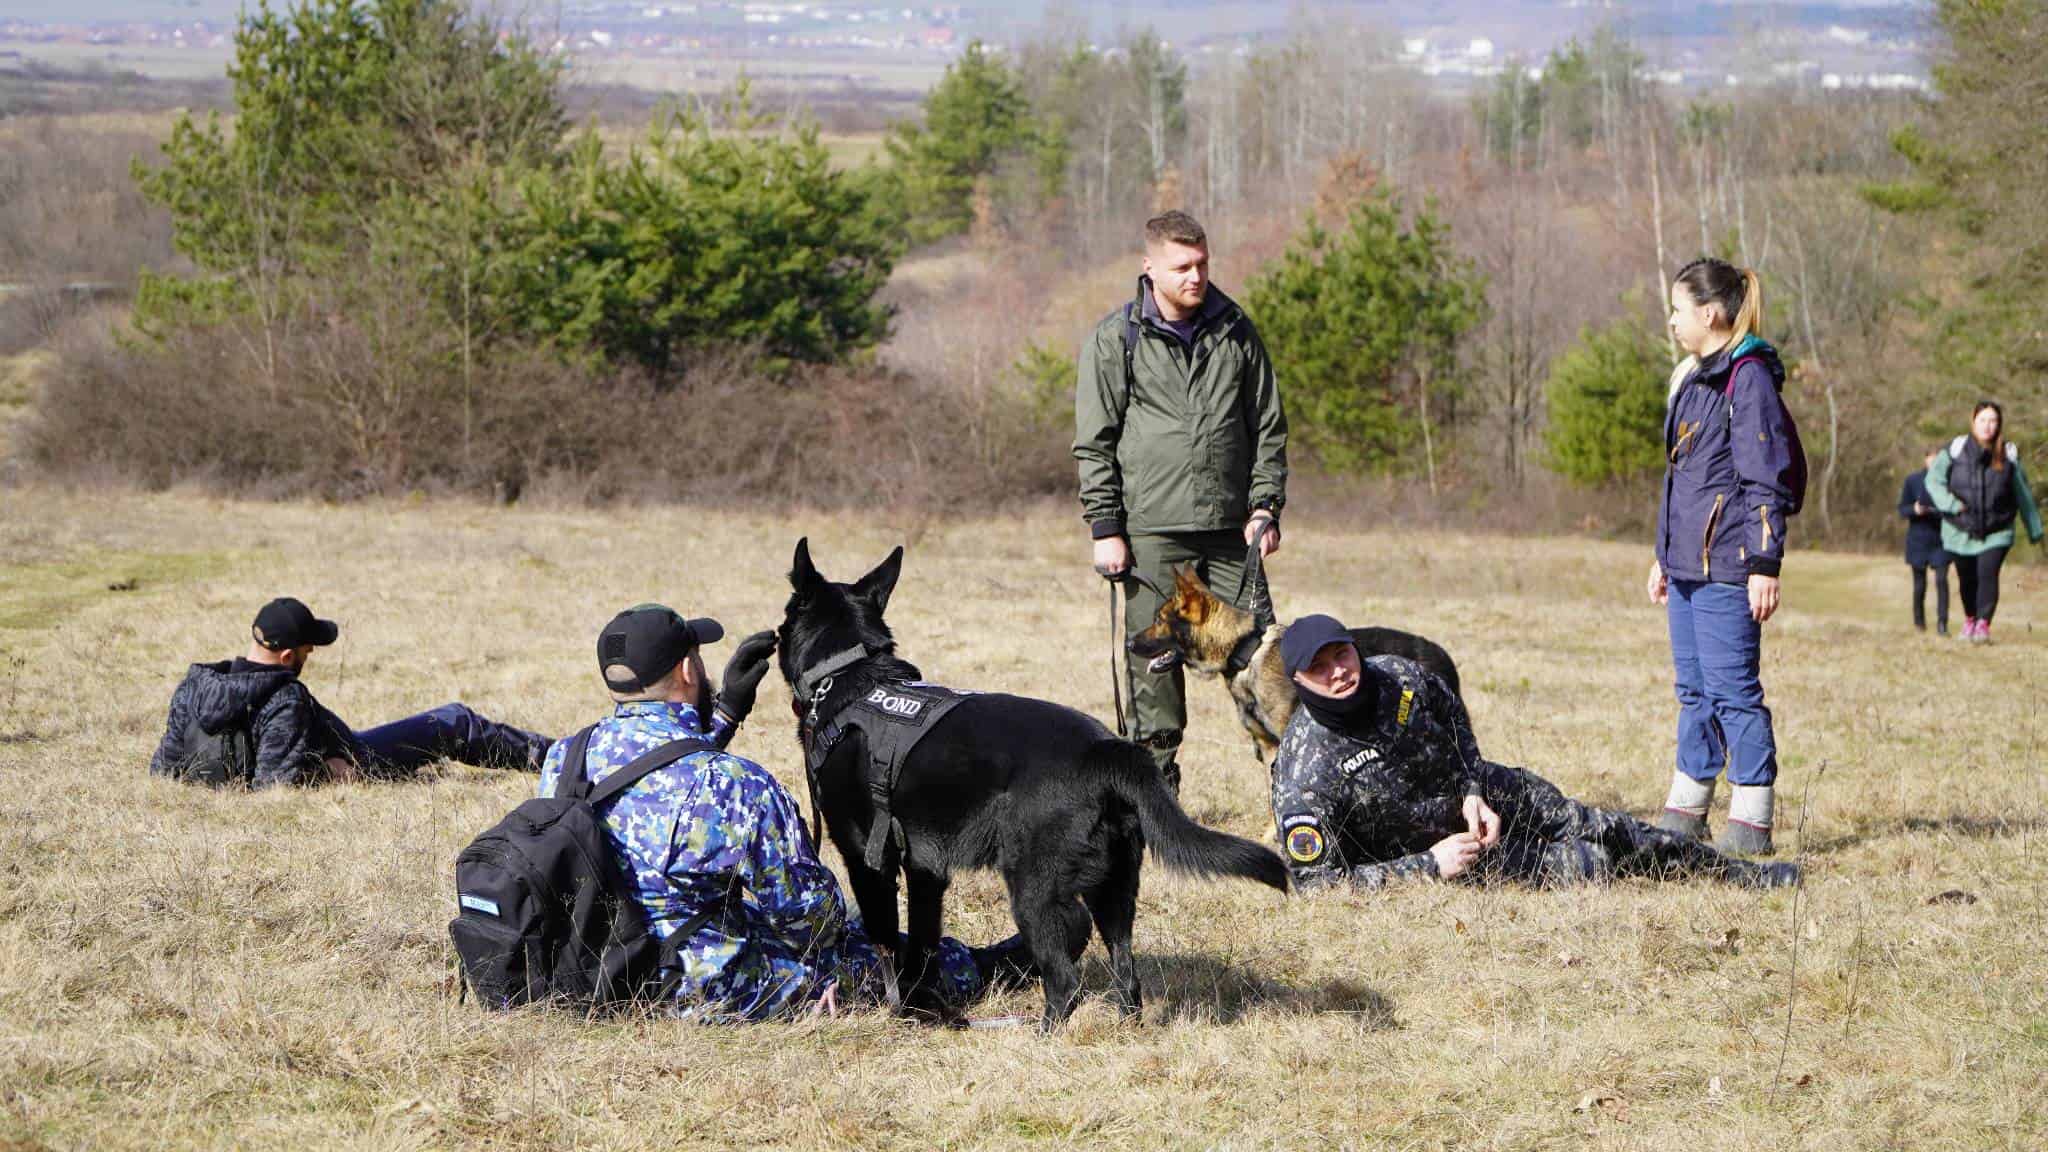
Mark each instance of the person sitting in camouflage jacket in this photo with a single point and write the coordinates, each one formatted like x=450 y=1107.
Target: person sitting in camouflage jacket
x=715 y=829
x=1379 y=777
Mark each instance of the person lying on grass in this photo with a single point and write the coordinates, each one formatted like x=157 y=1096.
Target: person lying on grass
x=1378 y=777
x=252 y=721
x=715 y=833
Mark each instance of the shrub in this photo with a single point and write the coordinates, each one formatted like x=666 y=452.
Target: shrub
x=1362 y=321
x=1606 y=396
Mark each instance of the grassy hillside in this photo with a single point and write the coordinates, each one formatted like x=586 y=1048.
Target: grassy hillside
x=185 y=969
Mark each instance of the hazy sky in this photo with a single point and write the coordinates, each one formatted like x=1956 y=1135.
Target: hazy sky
x=1108 y=10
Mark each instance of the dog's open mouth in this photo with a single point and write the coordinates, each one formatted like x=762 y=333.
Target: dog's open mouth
x=1163 y=662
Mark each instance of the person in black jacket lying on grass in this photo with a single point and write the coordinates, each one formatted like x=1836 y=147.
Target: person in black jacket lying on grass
x=251 y=721
x=1378 y=778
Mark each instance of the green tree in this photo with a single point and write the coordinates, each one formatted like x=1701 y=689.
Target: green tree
x=1367 y=323
x=1606 y=398
x=1158 y=91
x=698 y=239
x=1978 y=169
x=1511 y=116
x=974 y=119
x=339 y=105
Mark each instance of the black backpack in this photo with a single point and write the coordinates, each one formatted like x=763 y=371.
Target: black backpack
x=546 y=912
x=217 y=759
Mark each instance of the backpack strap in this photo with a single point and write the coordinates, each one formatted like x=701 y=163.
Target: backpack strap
x=572 y=781
x=643 y=764
x=1130 y=353
x=1728 y=389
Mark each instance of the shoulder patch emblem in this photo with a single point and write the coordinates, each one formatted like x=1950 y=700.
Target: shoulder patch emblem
x=1407 y=706
x=1304 y=838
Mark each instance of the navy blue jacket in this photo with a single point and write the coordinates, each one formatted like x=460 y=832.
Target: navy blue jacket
x=1923 y=529
x=1728 y=477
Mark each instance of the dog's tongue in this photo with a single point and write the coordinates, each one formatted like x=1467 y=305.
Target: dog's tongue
x=1162 y=662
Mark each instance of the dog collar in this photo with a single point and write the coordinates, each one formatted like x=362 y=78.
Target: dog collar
x=1241 y=656
x=820 y=674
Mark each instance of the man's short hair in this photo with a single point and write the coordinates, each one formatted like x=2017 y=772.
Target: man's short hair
x=656 y=691
x=1175 y=227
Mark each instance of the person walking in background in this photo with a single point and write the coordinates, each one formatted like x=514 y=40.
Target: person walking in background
x=1182 y=446
x=1923 y=548
x=1981 y=491
x=1735 y=472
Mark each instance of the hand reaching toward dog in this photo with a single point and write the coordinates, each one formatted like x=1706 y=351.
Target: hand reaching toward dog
x=743 y=675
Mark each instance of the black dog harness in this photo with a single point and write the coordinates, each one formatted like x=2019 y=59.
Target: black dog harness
x=893 y=716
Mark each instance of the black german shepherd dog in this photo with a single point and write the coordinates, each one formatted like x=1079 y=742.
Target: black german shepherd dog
x=1038 y=791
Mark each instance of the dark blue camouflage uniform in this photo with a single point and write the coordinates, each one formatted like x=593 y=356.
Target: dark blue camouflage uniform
x=1365 y=809
x=714 y=823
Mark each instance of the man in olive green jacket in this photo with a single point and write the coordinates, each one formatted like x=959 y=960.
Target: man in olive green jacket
x=1183 y=449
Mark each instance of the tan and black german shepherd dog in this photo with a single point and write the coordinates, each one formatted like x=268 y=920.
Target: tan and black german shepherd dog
x=1207 y=633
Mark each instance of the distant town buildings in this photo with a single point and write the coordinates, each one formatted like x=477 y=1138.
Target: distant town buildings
x=1834 y=58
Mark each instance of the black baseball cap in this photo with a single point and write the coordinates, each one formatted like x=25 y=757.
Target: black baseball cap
x=649 y=639
x=286 y=623
x=1308 y=636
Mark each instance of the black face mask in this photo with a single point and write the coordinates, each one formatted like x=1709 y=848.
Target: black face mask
x=1348 y=714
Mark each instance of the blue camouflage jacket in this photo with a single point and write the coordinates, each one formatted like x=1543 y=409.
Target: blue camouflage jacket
x=1728 y=480
x=717 y=828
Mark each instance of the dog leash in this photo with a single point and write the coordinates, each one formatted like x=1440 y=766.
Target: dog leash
x=1252 y=578
x=1116 y=642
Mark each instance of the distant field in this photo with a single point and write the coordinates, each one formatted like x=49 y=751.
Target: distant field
x=154 y=61
x=848 y=150
x=843 y=76
x=184 y=969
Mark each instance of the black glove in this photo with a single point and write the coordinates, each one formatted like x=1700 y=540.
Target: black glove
x=743 y=676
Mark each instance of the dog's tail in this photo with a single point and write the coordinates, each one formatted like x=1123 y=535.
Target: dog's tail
x=1180 y=843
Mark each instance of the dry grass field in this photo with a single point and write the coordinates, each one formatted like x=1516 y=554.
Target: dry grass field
x=186 y=969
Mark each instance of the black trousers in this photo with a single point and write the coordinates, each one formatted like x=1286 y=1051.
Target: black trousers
x=1977 y=581
x=1940 y=594
x=1548 y=839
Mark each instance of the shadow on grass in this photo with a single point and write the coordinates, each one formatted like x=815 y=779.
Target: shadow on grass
x=1967 y=827
x=1193 y=987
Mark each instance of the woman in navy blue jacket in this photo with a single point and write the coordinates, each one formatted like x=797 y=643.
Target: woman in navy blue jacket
x=1923 y=548
x=1733 y=468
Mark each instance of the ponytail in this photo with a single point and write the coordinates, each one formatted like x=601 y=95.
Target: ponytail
x=1749 y=318
x=1736 y=291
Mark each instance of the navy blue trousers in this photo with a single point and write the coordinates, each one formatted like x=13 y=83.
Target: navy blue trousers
x=451 y=732
x=1716 y=650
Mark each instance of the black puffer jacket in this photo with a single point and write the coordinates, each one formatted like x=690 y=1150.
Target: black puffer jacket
x=293 y=735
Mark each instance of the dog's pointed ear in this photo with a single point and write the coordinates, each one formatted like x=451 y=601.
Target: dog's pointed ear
x=802 y=572
x=1191 y=596
x=876 y=586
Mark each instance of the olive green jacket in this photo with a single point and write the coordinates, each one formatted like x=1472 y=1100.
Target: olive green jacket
x=1192 y=442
